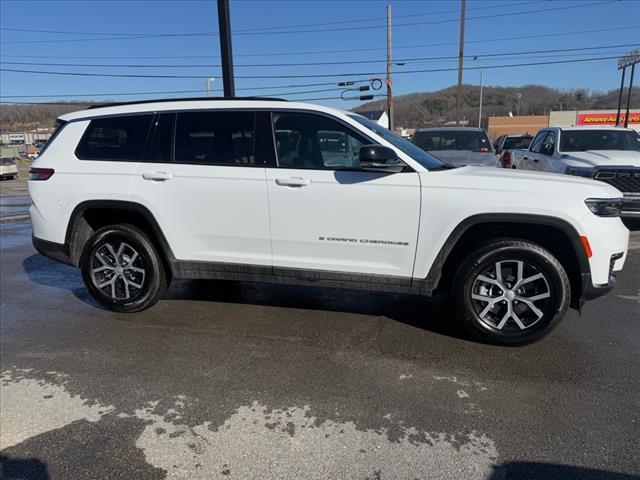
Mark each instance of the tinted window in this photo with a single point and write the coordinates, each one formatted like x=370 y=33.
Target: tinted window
x=419 y=155
x=312 y=141
x=580 y=140
x=537 y=143
x=160 y=140
x=474 y=141
x=516 y=142
x=215 y=138
x=115 y=138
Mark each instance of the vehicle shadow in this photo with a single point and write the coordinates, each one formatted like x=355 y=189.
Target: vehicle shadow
x=52 y=274
x=23 y=468
x=552 y=471
x=431 y=314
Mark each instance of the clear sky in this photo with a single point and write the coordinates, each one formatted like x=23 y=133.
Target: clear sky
x=295 y=32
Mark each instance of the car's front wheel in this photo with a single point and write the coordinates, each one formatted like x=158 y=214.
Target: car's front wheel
x=511 y=292
x=122 y=269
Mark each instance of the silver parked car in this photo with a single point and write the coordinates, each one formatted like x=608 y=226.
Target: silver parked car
x=457 y=146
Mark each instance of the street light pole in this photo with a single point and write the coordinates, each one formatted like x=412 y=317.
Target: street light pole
x=480 y=109
x=209 y=84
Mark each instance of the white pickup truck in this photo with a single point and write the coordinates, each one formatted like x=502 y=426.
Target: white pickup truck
x=608 y=154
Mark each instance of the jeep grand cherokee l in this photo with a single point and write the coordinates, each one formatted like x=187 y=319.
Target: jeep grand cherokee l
x=263 y=190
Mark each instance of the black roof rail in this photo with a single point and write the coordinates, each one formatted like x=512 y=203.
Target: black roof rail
x=188 y=99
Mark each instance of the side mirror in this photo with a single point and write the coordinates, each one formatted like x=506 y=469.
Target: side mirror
x=377 y=158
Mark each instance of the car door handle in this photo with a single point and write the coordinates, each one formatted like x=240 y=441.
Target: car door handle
x=536 y=160
x=293 y=182
x=157 y=176
x=525 y=158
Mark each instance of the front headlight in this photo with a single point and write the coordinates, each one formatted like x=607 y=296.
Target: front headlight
x=579 y=171
x=605 y=207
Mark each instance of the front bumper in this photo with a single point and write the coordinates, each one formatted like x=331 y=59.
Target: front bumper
x=591 y=291
x=630 y=206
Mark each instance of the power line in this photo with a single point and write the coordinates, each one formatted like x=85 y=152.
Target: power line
x=203 y=98
x=401 y=60
x=350 y=50
x=114 y=94
x=288 y=32
x=337 y=75
x=261 y=29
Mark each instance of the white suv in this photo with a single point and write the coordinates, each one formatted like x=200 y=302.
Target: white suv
x=265 y=190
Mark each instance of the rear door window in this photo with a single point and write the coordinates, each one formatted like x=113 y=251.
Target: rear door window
x=512 y=143
x=215 y=138
x=159 y=147
x=115 y=138
x=474 y=141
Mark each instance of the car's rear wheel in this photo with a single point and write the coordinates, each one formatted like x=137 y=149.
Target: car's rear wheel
x=511 y=292
x=122 y=269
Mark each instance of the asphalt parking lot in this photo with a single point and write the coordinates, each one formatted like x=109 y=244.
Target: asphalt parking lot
x=253 y=381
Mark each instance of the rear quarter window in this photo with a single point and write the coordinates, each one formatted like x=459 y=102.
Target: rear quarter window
x=56 y=131
x=115 y=138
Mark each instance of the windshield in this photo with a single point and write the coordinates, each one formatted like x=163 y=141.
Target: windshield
x=420 y=156
x=581 y=140
x=517 y=142
x=438 y=140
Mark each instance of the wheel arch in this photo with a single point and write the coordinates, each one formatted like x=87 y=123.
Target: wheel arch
x=555 y=234
x=89 y=216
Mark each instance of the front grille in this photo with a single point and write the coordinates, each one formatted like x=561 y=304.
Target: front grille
x=627 y=180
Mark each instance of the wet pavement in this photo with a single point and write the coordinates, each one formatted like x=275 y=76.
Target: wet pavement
x=14 y=207
x=246 y=380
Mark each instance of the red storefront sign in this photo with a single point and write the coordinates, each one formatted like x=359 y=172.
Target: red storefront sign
x=607 y=118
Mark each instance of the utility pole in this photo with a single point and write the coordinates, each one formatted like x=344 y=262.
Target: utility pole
x=463 y=7
x=626 y=118
x=224 y=29
x=620 y=97
x=389 y=64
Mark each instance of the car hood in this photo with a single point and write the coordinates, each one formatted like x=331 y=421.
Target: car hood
x=518 y=182
x=460 y=158
x=597 y=158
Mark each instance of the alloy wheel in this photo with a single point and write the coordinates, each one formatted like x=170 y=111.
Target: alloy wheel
x=511 y=295
x=119 y=272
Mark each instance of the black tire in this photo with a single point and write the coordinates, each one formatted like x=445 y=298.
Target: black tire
x=140 y=280
x=485 y=319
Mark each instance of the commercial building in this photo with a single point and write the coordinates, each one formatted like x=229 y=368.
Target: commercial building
x=497 y=126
